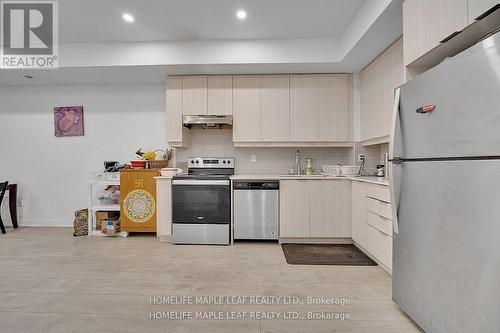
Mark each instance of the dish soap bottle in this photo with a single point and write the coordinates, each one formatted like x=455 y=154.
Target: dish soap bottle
x=309 y=166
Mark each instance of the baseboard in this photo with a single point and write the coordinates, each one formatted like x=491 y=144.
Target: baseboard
x=316 y=240
x=365 y=251
x=45 y=223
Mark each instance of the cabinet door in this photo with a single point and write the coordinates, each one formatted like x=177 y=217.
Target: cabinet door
x=275 y=108
x=378 y=81
x=330 y=208
x=174 y=110
x=427 y=22
x=335 y=107
x=359 y=213
x=392 y=76
x=295 y=208
x=246 y=108
x=220 y=95
x=304 y=102
x=194 y=95
x=476 y=8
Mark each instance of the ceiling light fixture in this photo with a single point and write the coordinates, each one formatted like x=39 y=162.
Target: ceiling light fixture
x=128 y=18
x=241 y=14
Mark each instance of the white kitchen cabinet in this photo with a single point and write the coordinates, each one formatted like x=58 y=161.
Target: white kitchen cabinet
x=194 y=95
x=476 y=8
x=315 y=208
x=275 y=108
x=379 y=245
x=295 y=208
x=359 y=213
x=304 y=108
x=330 y=203
x=220 y=95
x=174 y=126
x=427 y=22
x=334 y=107
x=378 y=81
x=163 y=208
x=247 y=116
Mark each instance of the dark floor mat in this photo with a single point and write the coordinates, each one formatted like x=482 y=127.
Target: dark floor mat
x=326 y=254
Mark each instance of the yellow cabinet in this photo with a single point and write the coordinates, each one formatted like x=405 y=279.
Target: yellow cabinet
x=138 y=200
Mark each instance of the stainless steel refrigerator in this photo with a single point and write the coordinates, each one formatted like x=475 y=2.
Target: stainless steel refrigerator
x=445 y=187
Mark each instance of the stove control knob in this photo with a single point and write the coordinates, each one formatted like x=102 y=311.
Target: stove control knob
x=223 y=162
x=192 y=161
x=228 y=162
x=197 y=162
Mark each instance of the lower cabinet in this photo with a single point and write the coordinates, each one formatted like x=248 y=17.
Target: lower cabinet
x=372 y=220
x=295 y=208
x=315 y=208
x=359 y=212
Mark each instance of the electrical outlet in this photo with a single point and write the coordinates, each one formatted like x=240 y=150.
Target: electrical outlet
x=361 y=157
x=253 y=158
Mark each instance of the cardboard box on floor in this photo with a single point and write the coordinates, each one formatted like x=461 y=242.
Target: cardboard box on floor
x=101 y=216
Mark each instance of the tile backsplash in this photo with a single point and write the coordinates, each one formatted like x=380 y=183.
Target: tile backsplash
x=218 y=143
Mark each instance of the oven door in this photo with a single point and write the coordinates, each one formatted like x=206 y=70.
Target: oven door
x=201 y=201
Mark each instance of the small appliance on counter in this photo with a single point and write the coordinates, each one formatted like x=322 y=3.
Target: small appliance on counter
x=380 y=170
x=256 y=210
x=201 y=202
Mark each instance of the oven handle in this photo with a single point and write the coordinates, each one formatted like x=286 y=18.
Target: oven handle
x=200 y=182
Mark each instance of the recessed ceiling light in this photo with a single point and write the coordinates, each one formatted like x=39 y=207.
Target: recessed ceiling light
x=241 y=14
x=128 y=18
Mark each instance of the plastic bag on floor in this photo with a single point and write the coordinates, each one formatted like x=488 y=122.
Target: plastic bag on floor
x=81 y=225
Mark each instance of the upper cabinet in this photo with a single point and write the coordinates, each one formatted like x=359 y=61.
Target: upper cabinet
x=174 y=110
x=207 y=95
x=378 y=81
x=275 y=105
x=268 y=110
x=476 y=8
x=335 y=107
x=427 y=23
x=194 y=95
x=247 y=108
x=220 y=95
x=304 y=108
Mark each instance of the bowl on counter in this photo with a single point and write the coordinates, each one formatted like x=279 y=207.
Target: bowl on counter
x=138 y=164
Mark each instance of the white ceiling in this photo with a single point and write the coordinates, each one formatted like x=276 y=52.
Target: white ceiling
x=90 y=21
x=176 y=37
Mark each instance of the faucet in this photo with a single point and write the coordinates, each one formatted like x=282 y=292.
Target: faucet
x=297 y=163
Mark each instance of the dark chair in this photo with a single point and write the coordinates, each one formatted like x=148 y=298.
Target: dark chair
x=3 y=189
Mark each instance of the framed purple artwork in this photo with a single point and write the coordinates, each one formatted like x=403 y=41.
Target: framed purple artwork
x=68 y=120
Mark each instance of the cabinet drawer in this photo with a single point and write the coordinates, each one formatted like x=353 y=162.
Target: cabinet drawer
x=379 y=222
x=379 y=245
x=378 y=192
x=379 y=207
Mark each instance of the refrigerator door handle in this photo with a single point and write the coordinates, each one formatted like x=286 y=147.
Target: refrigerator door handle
x=394 y=176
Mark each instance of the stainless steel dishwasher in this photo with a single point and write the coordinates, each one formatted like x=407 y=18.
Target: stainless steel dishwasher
x=256 y=209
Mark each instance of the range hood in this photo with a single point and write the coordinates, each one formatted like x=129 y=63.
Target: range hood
x=207 y=121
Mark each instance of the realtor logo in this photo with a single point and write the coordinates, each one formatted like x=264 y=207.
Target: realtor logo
x=29 y=34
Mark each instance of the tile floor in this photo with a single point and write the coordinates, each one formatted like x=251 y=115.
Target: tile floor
x=52 y=282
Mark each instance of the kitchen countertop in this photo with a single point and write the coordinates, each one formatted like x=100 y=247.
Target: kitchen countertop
x=366 y=179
